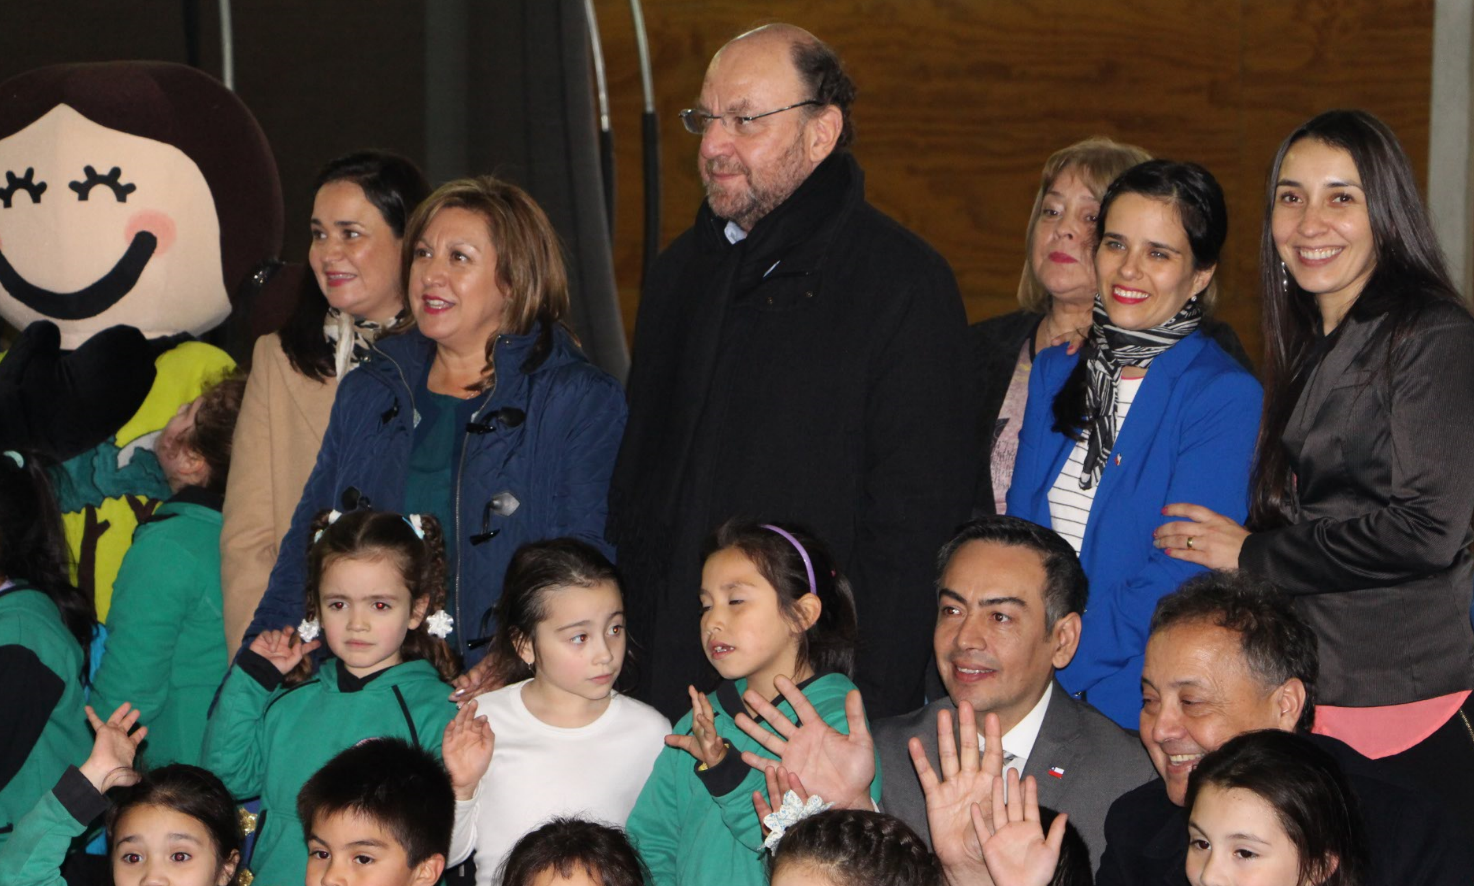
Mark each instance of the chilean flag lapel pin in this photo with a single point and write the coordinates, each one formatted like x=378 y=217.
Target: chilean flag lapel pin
x=1057 y=772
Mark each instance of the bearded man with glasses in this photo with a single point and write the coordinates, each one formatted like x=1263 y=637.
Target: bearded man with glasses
x=798 y=356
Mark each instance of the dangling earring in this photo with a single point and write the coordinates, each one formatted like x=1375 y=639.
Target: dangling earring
x=1284 y=276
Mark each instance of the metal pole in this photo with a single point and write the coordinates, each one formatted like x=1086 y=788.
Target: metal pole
x=651 y=147
x=606 y=135
x=227 y=47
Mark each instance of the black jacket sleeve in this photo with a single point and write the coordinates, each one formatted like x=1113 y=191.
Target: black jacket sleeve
x=29 y=692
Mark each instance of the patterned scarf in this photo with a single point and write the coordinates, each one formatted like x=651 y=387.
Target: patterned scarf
x=351 y=337
x=1111 y=350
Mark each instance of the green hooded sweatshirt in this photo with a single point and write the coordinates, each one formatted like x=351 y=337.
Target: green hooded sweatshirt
x=699 y=828
x=165 y=648
x=266 y=741
x=44 y=835
x=39 y=655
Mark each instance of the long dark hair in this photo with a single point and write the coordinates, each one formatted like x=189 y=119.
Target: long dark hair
x=395 y=186
x=829 y=644
x=1309 y=795
x=1408 y=277
x=421 y=563
x=1198 y=199
x=33 y=543
x=192 y=791
x=536 y=572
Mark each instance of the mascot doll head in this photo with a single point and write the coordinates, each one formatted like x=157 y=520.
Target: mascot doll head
x=134 y=193
x=135 y=200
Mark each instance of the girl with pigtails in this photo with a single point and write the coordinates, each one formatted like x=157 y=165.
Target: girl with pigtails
x=375 y=596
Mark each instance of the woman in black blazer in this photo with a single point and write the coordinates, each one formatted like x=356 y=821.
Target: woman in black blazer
x=1364 y=484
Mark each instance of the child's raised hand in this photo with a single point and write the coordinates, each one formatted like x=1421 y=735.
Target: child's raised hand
x=704 y=743
x=467 y=749
x=111 y=762
x=779 y=781
x=1015 y=847
x=283 y=648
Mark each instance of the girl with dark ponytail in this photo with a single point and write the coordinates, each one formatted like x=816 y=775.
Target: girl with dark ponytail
x=45 y=627
x=376 y=594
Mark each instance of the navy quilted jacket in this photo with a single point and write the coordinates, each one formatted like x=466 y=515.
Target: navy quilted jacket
x=550 y=437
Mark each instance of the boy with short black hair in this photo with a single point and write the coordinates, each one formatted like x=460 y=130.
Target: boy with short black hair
x=383 y=800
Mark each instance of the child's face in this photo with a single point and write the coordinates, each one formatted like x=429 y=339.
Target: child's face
x=156 y=844
x=348 y=849
x=743 y=630
x=178 y=461
x=1235 y=839
x=580 y=644
x=366 y=612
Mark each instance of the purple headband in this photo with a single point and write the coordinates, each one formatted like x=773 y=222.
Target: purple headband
x=808 y=564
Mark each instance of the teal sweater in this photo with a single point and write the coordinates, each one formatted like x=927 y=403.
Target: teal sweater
x=43 y=835
x=695 y=829
x=166 y=632
x=266 y=741
x=42 y=660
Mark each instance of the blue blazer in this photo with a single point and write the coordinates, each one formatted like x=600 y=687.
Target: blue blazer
x=1189 y=437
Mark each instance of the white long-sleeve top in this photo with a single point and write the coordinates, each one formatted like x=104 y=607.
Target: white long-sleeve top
x=539 y=772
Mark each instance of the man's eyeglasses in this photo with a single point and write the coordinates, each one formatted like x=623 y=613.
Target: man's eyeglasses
x=696 y=122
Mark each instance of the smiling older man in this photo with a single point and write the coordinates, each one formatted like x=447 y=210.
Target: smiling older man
x=798 y=356
x=1228 y=655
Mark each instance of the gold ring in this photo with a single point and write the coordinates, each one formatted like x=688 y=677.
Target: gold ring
x=1189 y=542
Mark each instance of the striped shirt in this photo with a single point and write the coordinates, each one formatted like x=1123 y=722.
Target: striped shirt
x=1069 y=505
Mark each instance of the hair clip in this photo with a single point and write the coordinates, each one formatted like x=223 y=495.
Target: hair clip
x=20 y=460
x=332 y=518
x=309 y=629
x=789 y=814
x=417 y=523
x=440 y=623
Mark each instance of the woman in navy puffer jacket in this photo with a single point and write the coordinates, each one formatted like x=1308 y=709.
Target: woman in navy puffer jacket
x=487 y=414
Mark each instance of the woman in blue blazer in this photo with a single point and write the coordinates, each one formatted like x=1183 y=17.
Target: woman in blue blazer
x=1150 y=412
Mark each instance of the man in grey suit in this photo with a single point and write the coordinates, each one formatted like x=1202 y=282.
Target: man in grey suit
x=1009 y=598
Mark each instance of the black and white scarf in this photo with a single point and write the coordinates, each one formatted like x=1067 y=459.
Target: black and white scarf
x=351 y=337
x=1111 y=350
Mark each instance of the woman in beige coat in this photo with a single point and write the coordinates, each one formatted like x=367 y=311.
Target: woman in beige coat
x=358 y=217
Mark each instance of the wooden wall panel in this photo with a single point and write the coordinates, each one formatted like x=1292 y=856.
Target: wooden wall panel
x=962 y=100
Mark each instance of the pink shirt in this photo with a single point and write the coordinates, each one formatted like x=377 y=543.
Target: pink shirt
x=1390 y=729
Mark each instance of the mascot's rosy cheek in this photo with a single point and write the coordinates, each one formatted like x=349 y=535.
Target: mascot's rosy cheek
x=129 y=213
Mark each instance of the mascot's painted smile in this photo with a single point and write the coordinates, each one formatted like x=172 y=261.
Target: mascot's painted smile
x=90 y=300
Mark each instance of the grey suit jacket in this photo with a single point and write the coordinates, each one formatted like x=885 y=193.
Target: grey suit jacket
x=1097 y=762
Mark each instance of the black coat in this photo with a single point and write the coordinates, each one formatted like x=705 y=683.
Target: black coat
x=815 y=372
x=1410 y=840
x=1382 y=445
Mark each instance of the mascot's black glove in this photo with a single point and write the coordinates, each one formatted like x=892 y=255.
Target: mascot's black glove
x=64 y=404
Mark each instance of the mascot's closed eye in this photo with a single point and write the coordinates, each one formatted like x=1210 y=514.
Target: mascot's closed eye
x=24 y=183
x=84 y=187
